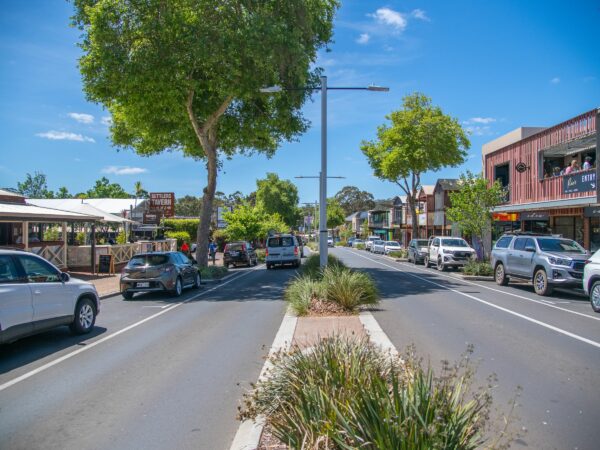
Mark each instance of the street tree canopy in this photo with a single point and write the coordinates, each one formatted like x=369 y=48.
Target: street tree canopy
x=472 y=204
x=274 y=195
x=420 y=138
x=352 y=200
x=185 y=75
x=105 y=189
x=35 y=186
x=251 y=223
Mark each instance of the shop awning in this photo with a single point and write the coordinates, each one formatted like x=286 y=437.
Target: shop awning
x=17 y=213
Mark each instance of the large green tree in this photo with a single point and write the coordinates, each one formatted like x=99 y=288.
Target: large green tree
x=185 y=75
x=420 y=138
x=188 y=206
x=472 y=204
x=352 y=200
x=35 y=186
x=251 y=223
x=103 y=188
x=275 y=195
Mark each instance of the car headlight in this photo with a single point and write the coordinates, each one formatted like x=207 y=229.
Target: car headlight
x=559 y=261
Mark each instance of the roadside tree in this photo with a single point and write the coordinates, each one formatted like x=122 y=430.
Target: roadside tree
x=352 y=200
x=275 y=195
x=420 y=138
x=188 y=206
x=140 y=192
x=186 y=75
x=251 y=223
x=472 y=204
x=105 y=189
x=35 y=186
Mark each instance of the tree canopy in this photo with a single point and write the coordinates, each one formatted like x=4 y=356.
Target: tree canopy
x=36 y=186
x=185 y=75
x=251 y=223
x=274 y=195
x=188 y=206
x=105 y=189
x=420 y=138
x=352 y=199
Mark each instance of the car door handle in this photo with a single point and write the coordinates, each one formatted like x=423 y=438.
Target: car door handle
x=37 y=292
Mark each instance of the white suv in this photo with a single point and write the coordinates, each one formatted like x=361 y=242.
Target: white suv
x=369 y=242
x=445 y=252
x=36 y=296
x=591 y=280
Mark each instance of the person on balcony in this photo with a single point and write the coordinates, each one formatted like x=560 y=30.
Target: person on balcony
x=556 y=171
x=587 y=165
x=573 y=167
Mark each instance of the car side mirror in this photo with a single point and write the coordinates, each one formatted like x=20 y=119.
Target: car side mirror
x=64 y=277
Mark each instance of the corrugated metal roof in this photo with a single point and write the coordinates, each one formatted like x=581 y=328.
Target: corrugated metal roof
x=14 y=211
x=109 y=205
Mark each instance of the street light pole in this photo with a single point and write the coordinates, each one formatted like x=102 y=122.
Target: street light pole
x=323 y=174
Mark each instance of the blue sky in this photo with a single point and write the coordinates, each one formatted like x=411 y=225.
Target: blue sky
x=494 y=65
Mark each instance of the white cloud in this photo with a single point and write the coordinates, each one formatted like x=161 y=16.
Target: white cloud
x=419 y=14
x=64 y=136
x=555 y=80
x=479 y=131
x=106 y=120
x=390 y=17
x=363 y=38
x=123 y=170
x=82 y=118
x=483 y=120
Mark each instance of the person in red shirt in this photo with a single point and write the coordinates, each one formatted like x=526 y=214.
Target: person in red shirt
x=185 y=248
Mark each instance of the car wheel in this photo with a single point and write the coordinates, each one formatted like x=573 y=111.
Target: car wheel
x=249 y=262
x=85 y=317
x=540 y=283
x=178 y=288
x=595 y=296
x=426 y=262
x=127 y=295
x=268 y=266
x=440 y=265
x=500 y=275
x=197 y=281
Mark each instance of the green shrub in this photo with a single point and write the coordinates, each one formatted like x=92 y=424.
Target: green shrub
x=314 y=246
x=341 y=243
x=479 y=268
x=80 y=238
x=312 y=265
x=348 y=288
x=300 y=292
x=51 y=234
x=399 y=254
x=188 y=225
x=121 y=238
x=212 y=272
x=260 y=254
x=346 y=394
x=179 y=235
x=359 y=246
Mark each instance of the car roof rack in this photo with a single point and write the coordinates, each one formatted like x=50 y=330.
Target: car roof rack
x=525 y=233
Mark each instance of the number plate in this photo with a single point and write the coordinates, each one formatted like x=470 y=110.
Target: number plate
x=234 y=253
x=142 y=285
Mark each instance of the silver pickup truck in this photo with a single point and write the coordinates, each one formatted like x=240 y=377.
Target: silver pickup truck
x=545 y=260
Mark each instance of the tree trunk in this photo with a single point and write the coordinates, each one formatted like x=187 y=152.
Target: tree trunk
x=207 y=206
x=414 y=218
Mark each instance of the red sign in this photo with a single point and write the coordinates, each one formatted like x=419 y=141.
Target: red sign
x=163 y=202
x=506 y=217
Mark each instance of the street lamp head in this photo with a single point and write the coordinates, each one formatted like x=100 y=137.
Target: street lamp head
x=377 y=88
x=271 y=89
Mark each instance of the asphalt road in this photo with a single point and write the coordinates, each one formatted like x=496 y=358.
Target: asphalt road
x=157 y=373
x=550 y=347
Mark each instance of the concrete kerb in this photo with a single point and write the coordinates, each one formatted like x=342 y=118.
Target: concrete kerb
x=250 y=431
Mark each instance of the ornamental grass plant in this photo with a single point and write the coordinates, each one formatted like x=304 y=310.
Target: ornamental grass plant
x=343 y=393
x=348 y=288
x=478 y=268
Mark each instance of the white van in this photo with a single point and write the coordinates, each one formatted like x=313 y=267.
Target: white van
x=369 y=242
x=282 y=249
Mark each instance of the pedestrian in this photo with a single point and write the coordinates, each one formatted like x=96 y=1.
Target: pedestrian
x=185 y=248
x=587 y=165
x=212 y=250
x=573 y=167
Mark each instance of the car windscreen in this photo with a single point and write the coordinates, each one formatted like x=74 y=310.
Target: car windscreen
x=454 y=243
x=148 y=260
x=422 y=243
x=394 y=243
x=559 y=245
x=237 y=246
x=283 y=241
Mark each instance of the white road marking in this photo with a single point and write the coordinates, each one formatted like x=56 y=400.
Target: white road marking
x=509 y=311
x=91 y=345
x=541 y=302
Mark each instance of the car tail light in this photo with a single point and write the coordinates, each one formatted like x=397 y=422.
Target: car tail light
x=226 y=248
x=296 y=251
x=267 y=252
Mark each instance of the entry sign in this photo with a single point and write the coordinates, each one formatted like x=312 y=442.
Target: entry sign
x=163 y=202
x=579 y=182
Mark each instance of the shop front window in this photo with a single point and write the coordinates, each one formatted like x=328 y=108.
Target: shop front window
x=536 y=226
x=569 y=227
x=594 y=234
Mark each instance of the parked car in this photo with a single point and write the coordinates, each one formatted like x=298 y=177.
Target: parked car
x=239 y=253
x=417 y=250
x=445 y=252
x=159 y=272
x=282 y=249
x=357 y=242
x=547 y=261
x=369 y=242
x=392 y=246
x=35 y=296
x=329 y=241
x=591 y=280
x=378 y=246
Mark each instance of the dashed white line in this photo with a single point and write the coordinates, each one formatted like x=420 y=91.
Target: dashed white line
x=509 y=311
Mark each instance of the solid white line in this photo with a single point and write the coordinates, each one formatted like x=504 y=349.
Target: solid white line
x=514 y=313
x=249 y=431
x=376 y=333
x=547 y=303
x=110 y=336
